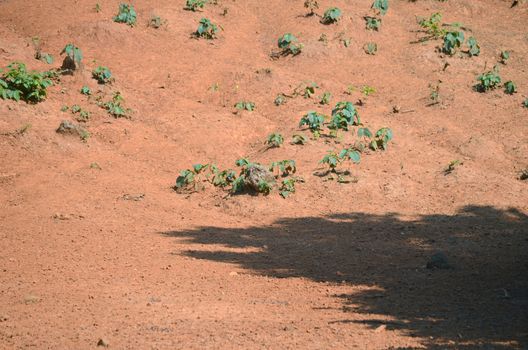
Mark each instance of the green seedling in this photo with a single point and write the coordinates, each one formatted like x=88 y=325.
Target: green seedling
x=370 y=48
x=299 y=139
x=245 y=105
x=73 y=57
x=307 y=90
x=17 y=83
x=504 y=56
x=206 y=29
x=223 y=178
x=311 y=5
x=510 y=88
x=344 y=115
x=249 y=175
x=275 y=140
x=488 y=81
x=289 y=45
x=97 y=7
x=473 y=47
x=333 y=159
x=331 y=15
x=452 y=41
x=102 y=75
x=288 y=186
x=45 y=57
x=372 y=23
x=525 y=103
x=85 y=90
x=368 y=90
x=381 y=139
x=314 y=121
x=381 y=6
x=325 y=99
x=156 y=22
x=194 y=5
x=283 y=167
x=126 y=14
x=115 y=108
x=433 y=27
x=452 y=166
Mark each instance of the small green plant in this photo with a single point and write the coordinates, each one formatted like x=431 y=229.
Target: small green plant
x=331 y=15
x=314 y=121
x=344 y=115
x=510 y=88
x=306 y=89
x=85 y=90
x=311 y=5
x=381 y=139
x=488 y=81
x=289 y=45
x=81 y=115
x=275 y=140
x=332 y=159
x=73 y=57
x=433 y=26
x=452 y=166
x=370 y=48
x=156 y=22
x=283 y=167
x=187 y=180
x=452 y=41
x=368 y=90
x=525 y=103
x=288 y=186
x=102 y=75
x=381 y=6
x=504 y=56
x=126 y=14
x=325 y=99
x=245 y=105
x=114 y=106
x=223 y=178
x=372 y=23
x=299 y=139
x=17 y=83
x=473 y=47
x=194 y=5
x=206 y=29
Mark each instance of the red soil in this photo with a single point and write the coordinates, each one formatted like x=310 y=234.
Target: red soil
x=335 y=266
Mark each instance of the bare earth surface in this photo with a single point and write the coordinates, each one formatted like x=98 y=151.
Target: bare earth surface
x=335 y=266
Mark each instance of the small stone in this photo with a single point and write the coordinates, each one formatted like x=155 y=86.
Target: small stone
x=438 y=261
x=103 y=342
x=31 y=299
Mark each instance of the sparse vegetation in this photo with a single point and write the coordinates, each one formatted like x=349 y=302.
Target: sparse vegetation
x=504 y=57
x=289 y=45
x=344 y=115
x=453 y=41
x=371 y=48
x=102 y=75
x=474 y=47
x=299 y=139
x=510 y=88
x=488 y=81
x=314 y=121
x=372 y=23
x=325 y=98
x=85 y=90
x=275 y=140
x=17 y=83
x=245 y=106
x=73 y=58
x=381 y=6
x=114 y=107
x=194 y=5
x=332 y=15
x=311 y=5
x=206 y=29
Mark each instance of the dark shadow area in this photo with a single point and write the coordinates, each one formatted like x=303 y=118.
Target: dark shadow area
x=481 y=302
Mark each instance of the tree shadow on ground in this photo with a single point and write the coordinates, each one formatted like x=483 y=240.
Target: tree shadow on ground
x=481 y=302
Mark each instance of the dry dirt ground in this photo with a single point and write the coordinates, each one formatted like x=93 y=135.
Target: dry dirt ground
x=334 y=266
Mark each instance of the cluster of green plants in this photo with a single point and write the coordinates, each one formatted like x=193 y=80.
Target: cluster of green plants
x=17 y=83
x=489 y=80
x=245 y=106
x=126 y=14
x=81 y=115
x=115 y=107
x=275 y=140
x=195 y=5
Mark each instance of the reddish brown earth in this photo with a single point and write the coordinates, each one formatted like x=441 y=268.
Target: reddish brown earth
x=335 y=266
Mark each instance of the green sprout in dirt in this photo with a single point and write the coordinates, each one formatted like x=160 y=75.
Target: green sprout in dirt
x=17 y=83
x=325 y=99
x=73 y=58
x=187 y=180
x=299 y=139
x=206 y=29
x=331 y=15
x=368 y=90
x=194 y=5
x=288 y=186
x=344 y=115
x=102 y=75
x=85 y=90
x=504 y=56
x=488 y=81
x=311 y=5
x=275 y=140
x=381 y=139
x=370 y=48
x=98 y=8
x=452 y=41
x=332 y=159
x=452 y=166
x=473 y=47
x=114 y=106
x=253 y=176
x=314 y=121
x=510 y=88
x=81 y=115
x=525 y=103
x=126 y=14
x=306 y=89
x=222 y=178
x=283 y=167
x=372 y=23
x=245 y=106
x=433 y=26
x=381 y=6
x=289 y=45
